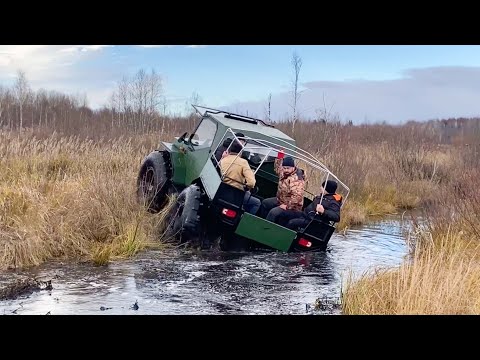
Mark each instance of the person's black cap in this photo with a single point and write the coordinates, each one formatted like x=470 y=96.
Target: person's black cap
x=288 y=161
x=331 y=186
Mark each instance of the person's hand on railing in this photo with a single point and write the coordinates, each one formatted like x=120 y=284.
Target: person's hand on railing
x=319 y=209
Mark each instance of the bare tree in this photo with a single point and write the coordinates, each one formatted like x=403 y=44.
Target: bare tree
x=123 y=99
x=269 y=111
x=21 y=90
x=139 y=90
x=194 y=99
x=297 y=65
x=164 y=105
x=138 y=100
x=155 y=93
x=323 y=114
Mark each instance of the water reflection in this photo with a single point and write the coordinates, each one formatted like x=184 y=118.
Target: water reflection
x=179 y=282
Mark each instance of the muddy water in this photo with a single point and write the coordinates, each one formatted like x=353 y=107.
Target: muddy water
x=179 y=282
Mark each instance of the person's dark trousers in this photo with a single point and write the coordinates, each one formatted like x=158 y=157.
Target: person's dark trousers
x=274 y=213
x=251 y=204
x=297 y=223
x=284 y=217
x=267 y=205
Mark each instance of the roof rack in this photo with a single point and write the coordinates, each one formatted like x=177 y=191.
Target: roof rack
x=230 y=115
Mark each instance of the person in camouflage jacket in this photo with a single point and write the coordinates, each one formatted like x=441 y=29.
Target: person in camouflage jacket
x=291 y=185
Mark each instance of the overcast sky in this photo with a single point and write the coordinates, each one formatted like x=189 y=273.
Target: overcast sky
x=391 y=83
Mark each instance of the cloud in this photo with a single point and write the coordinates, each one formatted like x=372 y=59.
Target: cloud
x=11 y=55
x=95 y=47
x=420 y=94
x=155 y=46
x=84 y=48
x=159 y=46
x=43 y=62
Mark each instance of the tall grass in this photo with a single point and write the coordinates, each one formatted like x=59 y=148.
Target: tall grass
x=442 y=273
x=66 y=197
x=441 y=278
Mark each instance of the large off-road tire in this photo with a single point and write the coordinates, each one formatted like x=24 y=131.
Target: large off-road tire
x=154 y=180
x=183 y=218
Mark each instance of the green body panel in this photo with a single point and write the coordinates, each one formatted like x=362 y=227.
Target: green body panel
x=210 y=179
x=196 y=158
x=267 y=181
x=265 y=232
x=187 y=161
x=178 y=163
x=267 y=171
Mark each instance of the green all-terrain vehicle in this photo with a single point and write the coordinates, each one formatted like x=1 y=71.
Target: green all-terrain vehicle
x=207 y=209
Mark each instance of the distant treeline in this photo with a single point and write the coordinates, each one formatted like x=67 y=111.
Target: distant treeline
x=138 y=106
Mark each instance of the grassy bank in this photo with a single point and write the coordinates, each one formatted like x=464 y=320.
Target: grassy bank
x=437 y=280
x=442 y=273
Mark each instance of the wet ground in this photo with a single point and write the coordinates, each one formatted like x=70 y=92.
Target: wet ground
x=179 y=282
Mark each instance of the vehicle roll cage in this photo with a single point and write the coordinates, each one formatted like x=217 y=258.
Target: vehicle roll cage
x=280 y=146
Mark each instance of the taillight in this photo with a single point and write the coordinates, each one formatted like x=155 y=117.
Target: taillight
x=229 y=213
x=304 y=242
